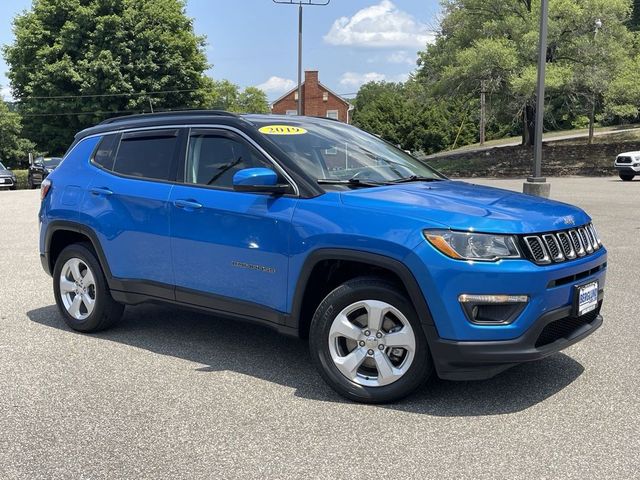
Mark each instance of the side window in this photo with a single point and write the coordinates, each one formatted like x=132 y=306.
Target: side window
x=147 y=154
x=106 y=151
x=215 y=156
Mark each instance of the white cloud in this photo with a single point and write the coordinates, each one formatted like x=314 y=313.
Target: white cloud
x=356 y=80
x=402 y=56
x=380 y=26
x=277 y=85
x=5 y=94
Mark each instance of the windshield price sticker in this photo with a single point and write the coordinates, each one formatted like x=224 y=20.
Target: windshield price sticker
x=282 y=130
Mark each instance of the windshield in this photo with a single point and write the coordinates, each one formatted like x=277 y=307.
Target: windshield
x=52 y=162
x=333 y=151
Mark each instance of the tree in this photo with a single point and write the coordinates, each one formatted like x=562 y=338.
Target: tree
x=103 y=57
x=225 y=95
x=634 y=22
x=495 y=41
x=14 y=149
x=406 y=115
x=252 y=100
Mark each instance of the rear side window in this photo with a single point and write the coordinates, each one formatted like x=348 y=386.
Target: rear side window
x=106 y=152
x=147 y=154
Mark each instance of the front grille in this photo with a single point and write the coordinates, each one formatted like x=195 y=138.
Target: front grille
x=624 y=160
x=557 y=247
x=567 y=246
x=564 y=327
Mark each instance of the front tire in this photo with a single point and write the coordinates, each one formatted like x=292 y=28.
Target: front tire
x=626 y=177
x=81 y=291
x=367 y=342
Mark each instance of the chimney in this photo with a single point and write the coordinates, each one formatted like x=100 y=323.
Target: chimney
x=311 y=77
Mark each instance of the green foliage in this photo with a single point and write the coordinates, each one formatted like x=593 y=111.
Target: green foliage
x=493 y=44
x=14 y=149
x=21 y=179
x=404 y=115
x=225 y=95
x=96 y=47
x=252 y=100
x=634 y=22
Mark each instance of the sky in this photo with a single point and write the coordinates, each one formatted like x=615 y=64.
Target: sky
x=254 y=42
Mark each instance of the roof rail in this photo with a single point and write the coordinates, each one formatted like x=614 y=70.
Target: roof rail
x=170 y=113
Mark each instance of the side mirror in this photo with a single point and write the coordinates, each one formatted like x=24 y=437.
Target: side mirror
x=8 y=168
x=258 y=180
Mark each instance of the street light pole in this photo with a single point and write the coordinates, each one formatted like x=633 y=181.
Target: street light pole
x=300 y=112
x=537 y=184
x=301 y=3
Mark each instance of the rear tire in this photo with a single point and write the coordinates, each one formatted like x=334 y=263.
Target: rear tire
x=367 y=342
x=30 y=183
x=626 y=177
x=81 y=291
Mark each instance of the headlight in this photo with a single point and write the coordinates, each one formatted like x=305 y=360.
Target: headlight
x=473 y=246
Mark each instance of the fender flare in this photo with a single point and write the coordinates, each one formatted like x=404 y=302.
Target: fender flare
x=397 y=267
x=66 y=225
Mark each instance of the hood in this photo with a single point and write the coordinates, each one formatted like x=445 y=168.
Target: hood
x=464 y=206
x=5 y=173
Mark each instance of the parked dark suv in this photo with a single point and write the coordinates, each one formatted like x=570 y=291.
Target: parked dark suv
x=319 y=230
x=40 y=169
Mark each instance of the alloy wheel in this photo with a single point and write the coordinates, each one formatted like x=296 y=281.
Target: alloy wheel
x=372 y=343
x=77 y=288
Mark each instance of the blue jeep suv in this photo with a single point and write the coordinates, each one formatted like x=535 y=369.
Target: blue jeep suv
x=319 y=230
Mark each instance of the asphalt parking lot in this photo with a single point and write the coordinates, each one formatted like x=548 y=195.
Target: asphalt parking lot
x=173 y=394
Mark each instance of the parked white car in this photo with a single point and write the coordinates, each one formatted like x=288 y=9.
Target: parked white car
x=628 y=165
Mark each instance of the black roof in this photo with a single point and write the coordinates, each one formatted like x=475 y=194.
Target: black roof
x=172 y=114
x=186 y=117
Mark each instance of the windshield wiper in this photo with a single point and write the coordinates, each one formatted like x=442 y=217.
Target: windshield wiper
x=352 y=182
x=416 y=178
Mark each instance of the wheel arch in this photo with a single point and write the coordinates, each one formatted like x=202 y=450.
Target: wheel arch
x=304 y=299
x=61 y=233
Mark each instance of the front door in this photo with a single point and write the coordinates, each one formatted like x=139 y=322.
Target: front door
x=228 y=245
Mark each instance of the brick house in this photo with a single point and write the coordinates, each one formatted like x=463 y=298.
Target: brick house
x=317 y=101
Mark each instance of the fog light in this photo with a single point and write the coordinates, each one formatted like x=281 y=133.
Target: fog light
x=493 y=309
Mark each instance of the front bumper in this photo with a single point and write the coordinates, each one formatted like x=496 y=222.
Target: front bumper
x=553 y=332
x=628 y=169
x=6 y=182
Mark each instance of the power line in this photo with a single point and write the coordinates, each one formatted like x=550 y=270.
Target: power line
x=121 y=94
x=126 y=94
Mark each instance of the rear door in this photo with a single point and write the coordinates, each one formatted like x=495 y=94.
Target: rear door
x=228 y=245
x=127 y=205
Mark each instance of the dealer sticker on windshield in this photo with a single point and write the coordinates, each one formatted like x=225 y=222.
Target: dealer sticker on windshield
x=282 y=130
x=587 y=298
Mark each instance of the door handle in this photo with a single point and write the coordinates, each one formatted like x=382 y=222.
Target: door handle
x=101 y=191
x=187 y=204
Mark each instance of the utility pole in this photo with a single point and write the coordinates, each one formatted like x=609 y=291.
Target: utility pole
x=537 y=184
x=301 y=3
x=483 y=111
x=592 y=117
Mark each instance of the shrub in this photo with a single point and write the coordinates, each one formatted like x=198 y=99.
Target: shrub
x=21 y=177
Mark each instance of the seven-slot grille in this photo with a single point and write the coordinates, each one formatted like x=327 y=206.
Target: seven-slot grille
x=556 y=247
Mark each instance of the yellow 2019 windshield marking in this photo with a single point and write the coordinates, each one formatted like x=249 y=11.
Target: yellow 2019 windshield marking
x=282 y=130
